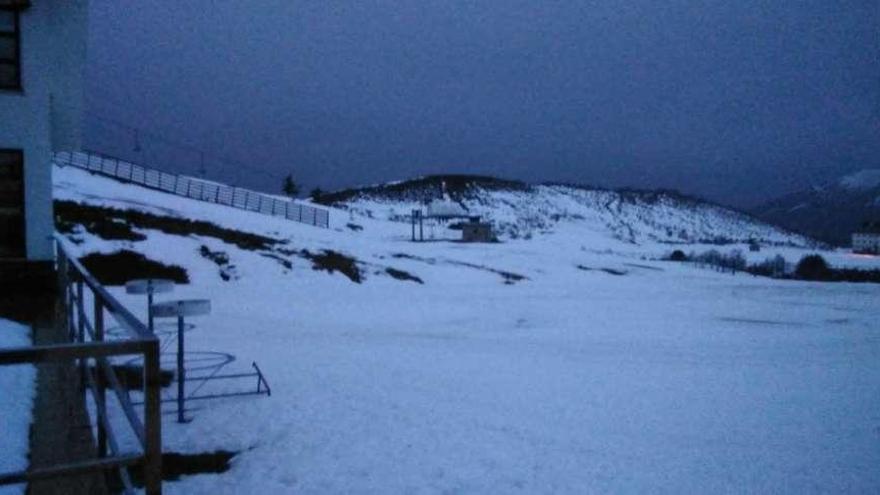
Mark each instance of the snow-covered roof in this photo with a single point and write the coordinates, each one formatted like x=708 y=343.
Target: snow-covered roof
x=446 y=209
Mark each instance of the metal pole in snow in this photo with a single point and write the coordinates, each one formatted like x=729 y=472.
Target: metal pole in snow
x=181 y=373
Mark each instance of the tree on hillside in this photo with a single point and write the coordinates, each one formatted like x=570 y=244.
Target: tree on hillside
x=289 y=187
x=316 y=194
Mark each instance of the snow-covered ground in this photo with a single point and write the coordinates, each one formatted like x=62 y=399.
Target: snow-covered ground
x=16 y=405
x=599 y=371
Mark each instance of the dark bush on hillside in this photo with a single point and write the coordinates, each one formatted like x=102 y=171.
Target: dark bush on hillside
x=331 y=261
x=813 y=267
x=120 y=267
x=678 y=255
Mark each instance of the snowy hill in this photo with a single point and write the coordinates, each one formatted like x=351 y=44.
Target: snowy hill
x=569 y=362
x=830 y=212
x=862 y=180
x=519 y=210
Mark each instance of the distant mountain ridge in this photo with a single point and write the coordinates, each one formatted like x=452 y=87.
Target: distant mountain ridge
x=517 y=209
x=831 y=212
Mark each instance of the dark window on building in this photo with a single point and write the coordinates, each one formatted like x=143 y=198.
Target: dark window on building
x=12 y=244
x=10 y=51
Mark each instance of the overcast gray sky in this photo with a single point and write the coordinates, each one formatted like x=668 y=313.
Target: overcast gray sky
x=734 y=100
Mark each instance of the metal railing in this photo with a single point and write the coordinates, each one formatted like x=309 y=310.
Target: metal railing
x=91 y=352
x=190 y=187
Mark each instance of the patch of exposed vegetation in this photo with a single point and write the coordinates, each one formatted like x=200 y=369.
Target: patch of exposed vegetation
x=175 y=465
x=286 y=263
x=509 y=278
x=332 y=261
x=610 y=271
x=95 y=221
x=124 y=265
x=402 y=275
x=69 y=213
x=644 y=267
x=118 y=268
x=354 y=227
x=221 y=259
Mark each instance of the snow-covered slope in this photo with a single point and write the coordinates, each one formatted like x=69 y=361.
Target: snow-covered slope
x=571 y=362
x=16 y=404
x=861 y=180
x=518 y=210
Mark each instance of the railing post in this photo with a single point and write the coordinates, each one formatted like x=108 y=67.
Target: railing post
x=152 y=421
x=80 y=312
x=101 y=400
x=68 y=302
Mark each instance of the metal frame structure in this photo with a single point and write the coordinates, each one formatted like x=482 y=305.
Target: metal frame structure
x=88 y=348
x=189 y=187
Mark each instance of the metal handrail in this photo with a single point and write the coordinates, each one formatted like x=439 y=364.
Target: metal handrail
x=193 y=188
x=122 y=315
x=73 y=278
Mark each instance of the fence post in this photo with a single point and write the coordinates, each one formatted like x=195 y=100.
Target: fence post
x=101 y=400
x=152 y=421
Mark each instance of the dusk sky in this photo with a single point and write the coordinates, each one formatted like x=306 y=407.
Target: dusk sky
x=735 y=101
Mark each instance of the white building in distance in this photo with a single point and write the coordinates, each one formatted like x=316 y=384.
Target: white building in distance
x=867 y=238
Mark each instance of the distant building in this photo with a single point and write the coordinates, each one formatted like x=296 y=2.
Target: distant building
x=446 y=209
x=476 y=232
x=42 y=60
x=867 y=238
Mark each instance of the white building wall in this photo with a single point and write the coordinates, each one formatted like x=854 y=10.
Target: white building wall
x=54 y=37
x=866 y=243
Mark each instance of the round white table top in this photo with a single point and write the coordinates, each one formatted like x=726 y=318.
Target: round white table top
x=185 y=307
x=149 y=285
